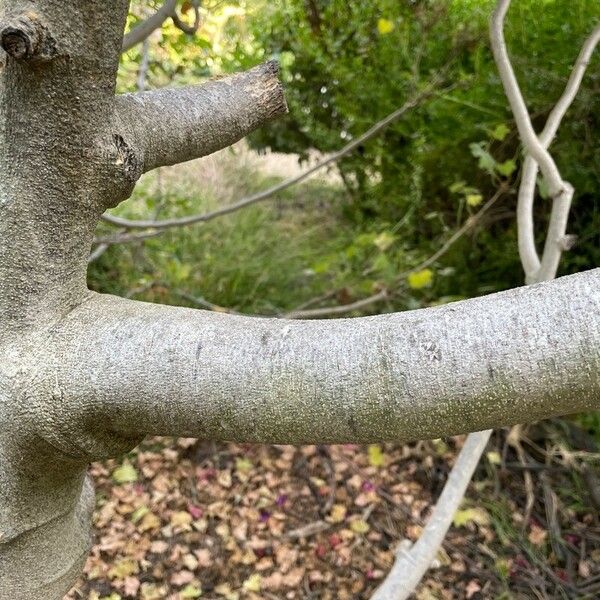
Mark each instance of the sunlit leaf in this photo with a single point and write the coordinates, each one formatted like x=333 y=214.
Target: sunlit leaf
x=474 y=199
x=500 y=132
x=253 y=583
x=385 y=26
x=384 y=240
x=494 y=458
x=420 y=279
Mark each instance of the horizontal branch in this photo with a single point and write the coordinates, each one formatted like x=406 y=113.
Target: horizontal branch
x=283 y=185
x=171 y=126
x=511 y=357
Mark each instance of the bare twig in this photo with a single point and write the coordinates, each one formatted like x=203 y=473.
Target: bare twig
x=517 y=103
x=527 y=250
x=142 y=31
x=514 y=440
x=144 y=65
x=189 y=28
x=382 y=295
x=329 y=311
x=308 y=530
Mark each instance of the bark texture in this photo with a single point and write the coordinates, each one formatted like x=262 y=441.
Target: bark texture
x=85 y=376
x=66 y=154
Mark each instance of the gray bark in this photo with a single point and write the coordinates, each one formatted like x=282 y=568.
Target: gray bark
x=85 y=376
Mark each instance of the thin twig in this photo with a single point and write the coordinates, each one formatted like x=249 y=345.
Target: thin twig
x=385 y=294
x=142 y=31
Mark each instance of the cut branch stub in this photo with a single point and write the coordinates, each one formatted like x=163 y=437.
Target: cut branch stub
x=25 y=38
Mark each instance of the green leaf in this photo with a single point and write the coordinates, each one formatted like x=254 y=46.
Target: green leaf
x=457 y=188
x=543 y=188
x=471 y=515
x=500 y=132
x=486 y=162
x=507 y=168
x=139 y=513
x=420 y=279
x=474 y=199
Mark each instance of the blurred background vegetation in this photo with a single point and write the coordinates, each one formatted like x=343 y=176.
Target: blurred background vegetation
x=388 y=206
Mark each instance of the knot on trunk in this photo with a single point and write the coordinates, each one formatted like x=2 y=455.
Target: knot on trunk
x=24 y=37
x=127 y=160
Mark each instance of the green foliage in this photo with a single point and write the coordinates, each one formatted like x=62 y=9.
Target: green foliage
x=347 y=64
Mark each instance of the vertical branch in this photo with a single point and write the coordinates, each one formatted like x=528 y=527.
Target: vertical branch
x=536 y=270
x=517 y=103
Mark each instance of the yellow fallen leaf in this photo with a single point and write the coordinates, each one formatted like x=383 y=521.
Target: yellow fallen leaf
x=243 y=464
x=224 y=589
x=471 y=515
x=191 y=591
x=126 y=473
x=337 y=514
x=253 y=583
x=376 y=455
x=149 y=522
x=124 y=568
x=181 y=521
x=359 y=526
